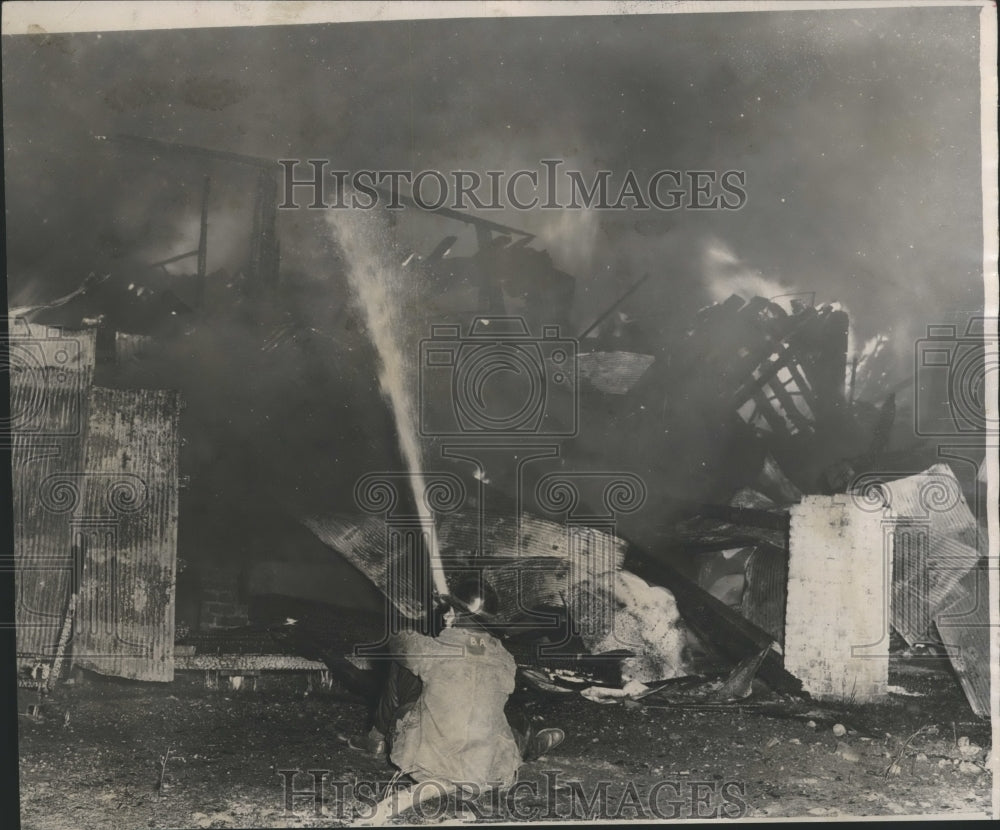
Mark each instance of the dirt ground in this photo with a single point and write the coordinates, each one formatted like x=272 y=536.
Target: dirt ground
x=112 y=754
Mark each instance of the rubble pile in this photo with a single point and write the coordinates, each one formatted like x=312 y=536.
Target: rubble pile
x=718 y=580
x=626 y=612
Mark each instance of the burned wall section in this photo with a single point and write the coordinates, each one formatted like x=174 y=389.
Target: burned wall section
x=95 y=474
x=50 y=377
x=126 y=530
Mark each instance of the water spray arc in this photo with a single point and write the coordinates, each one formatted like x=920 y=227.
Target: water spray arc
x=377 y=283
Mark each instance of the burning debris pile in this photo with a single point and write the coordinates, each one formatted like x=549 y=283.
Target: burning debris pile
x=724 y=577
x=626 y=612
x=746 y=425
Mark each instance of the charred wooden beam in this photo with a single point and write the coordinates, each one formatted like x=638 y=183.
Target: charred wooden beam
x=177 y=148
x=482 y=225
x=830 y=370
x=768 y=413
x=203 y=241
x=86 y=285
x=755 y=517
x=264 y=255
x=441 y=249
x=607 y=312
x=715 y=622
x=177 y=258
x=264 y=250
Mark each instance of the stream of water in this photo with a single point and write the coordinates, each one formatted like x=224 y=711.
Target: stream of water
x=380 y=287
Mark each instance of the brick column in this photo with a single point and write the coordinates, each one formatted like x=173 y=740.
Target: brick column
x=837 y=607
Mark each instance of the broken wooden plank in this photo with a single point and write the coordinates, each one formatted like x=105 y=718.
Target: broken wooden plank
x=706 y=532
x=739 y=683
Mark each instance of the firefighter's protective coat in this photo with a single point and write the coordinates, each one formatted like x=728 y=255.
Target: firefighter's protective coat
x=457 y=731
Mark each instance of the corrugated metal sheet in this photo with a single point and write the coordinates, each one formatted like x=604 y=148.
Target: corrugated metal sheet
x=614 y=373
x=367 y=543
x=505 y=535
x=909 y=609
x=550 y=557
x=933 y=537
x=126 y=525
x=934 y=496
x=766 y=590
x=50 y=374
x=964 y=625
x=752 y=580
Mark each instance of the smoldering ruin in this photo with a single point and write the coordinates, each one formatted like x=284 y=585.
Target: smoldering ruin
x=736 y=522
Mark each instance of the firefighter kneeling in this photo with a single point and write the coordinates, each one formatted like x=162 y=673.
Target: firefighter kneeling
x=442 y=714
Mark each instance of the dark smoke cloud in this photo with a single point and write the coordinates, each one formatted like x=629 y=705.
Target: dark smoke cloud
x=858 y=131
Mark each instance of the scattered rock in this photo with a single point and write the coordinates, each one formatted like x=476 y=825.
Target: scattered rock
x=921 y=756
x=963 y=742
x=969 y=750
x=848 y=753
x=771 y=743
x=795 y=741
x=969 y=768
x=839 y=730
x=811 y=724
x=894 y=769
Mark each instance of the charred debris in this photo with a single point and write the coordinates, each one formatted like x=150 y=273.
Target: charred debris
x=708 y=582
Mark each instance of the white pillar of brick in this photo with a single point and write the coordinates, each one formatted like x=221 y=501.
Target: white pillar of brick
x=838 y=573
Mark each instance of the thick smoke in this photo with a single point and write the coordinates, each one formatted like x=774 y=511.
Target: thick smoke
x=860 y=150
